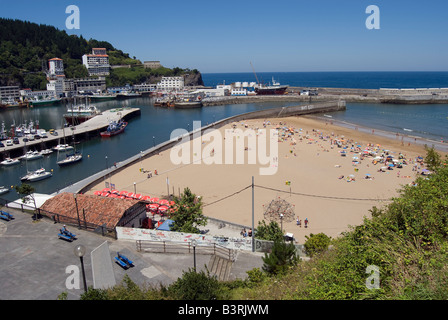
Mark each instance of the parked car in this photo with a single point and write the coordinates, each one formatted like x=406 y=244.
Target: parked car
x=15 y=140
x=2 y=145
x=9 y=142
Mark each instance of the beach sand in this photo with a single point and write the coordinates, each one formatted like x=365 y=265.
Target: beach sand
x=313 y=167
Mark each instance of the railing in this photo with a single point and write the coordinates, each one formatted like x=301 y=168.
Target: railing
x=185 y=247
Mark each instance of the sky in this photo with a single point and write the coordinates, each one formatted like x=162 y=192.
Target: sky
x=268 y=36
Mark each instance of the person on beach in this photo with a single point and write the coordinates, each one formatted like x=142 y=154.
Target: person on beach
x=306 y=222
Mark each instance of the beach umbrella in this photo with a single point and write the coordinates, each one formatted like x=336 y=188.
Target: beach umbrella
x=163 y=209
x=153 y=207
x=390 y=164
x=122 y=197
x=123 y=193
x=106 y=190
x=146 y=198
x=105 y=194
x=164 y=202
x=115 y=191
x=154 y=200
x=137 y=196
x=97 y=193
x=113 y=195
x=130 y=195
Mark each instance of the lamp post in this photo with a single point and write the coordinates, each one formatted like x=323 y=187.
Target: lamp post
x=135 y=188
x=80 y=251
x=77 y=211
x=193 y=243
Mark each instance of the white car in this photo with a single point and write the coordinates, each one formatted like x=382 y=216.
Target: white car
x=9 y=143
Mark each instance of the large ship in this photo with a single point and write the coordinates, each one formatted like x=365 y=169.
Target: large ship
x=80 y=113
x=274 y=89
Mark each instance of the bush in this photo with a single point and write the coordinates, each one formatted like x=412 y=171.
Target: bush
x=195 y=286
x=282 y=257
x=316 y=243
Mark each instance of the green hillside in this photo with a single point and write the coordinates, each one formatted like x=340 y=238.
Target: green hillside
x=25 y=48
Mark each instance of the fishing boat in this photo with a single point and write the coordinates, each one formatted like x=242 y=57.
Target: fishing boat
x=188 y=103
x=114 y=128
x=128 y=95
x=80 y=113
x=274 y=89
x=39 y=175
x=44 y=102
x=103 y=97
x=10 y=162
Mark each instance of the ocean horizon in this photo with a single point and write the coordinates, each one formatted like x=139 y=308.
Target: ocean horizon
x=337 y=79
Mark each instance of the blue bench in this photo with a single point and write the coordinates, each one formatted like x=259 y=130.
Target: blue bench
x=5 y=215
x=66 y=235
x=123 y=261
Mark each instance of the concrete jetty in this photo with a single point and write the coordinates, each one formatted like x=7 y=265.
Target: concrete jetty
x=83 y=131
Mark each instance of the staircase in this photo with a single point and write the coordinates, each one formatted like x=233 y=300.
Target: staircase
x=220 y=267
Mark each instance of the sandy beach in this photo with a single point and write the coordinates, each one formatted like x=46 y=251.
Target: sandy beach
x=331 y=191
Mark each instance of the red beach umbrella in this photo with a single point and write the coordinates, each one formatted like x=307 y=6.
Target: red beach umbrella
x=123 y=193
x=97 y=193
x=163 y=209
x=137 y=196
x=115 y=191
x=154 y=200
x=105 y=194
x=106 y=190
x=164 y=202
x=153 y=207
x=130 y=195
x=113 y=195
x=145 y=198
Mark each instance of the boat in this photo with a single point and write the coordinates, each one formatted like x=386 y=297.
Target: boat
x=62 y=147
x=32 y=155
x=10 y=162
x=39 y=175
x=44 y=102
x=188 y=103
x=103 y=97
x=274 y=89
x=128 y=95
x=3 y=190
x=46 y=152
x=114 y=128
x=80 y=113
x=70 y=159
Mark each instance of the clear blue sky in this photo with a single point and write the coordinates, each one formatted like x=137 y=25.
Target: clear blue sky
x=275 y=35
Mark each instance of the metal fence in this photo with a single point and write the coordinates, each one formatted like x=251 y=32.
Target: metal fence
x=185 y=247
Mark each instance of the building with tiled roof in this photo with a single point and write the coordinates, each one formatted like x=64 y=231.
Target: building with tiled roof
x=98 y=211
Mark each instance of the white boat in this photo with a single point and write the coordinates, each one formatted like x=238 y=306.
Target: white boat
x=69 y=159
x=10 y=162
x=3 y=190
x=32 y=155
x=62 y=147
x=46 y=152
x=39 y=175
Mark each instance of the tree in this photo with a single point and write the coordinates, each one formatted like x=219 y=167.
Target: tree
x=282 y=257
x=316 y=243
x=195 y=286
x=269 y=232
x=27 y=192
x=188 y=215
x=432 y=159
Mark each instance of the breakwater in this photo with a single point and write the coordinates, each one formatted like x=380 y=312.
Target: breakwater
x=307 y=109
x=396 y=96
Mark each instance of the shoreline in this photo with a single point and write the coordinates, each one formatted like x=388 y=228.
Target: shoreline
x=315 y=190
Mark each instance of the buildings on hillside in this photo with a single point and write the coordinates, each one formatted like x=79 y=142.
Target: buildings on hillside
x=97 y=63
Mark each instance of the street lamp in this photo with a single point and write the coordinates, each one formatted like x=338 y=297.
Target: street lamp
x=80 y=251
x=135 y=188
x=193 y=243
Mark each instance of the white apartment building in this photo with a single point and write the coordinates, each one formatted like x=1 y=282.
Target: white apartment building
x=97 y=63
x=171 y=83
x=57 y=86
x=55 y=67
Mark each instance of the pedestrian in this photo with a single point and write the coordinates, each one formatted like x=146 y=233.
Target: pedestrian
x=297 y=221
x=300 y=223
x=306 y=222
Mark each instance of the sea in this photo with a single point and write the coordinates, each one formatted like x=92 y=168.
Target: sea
x=156 y=124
